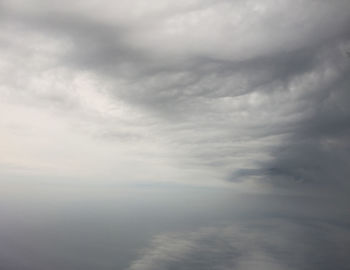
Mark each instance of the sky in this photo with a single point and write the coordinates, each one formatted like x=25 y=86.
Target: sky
x=162 y=134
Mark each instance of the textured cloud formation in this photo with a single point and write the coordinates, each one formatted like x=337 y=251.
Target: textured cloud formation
x=272 y=244
x=236 y=90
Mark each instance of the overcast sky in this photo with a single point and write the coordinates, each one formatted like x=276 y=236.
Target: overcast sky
x=251 y=96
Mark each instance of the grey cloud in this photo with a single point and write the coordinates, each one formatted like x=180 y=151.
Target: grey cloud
x=318 y=150
x=244 y=106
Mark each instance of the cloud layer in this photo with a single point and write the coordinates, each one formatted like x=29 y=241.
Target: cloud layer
x=240 y=90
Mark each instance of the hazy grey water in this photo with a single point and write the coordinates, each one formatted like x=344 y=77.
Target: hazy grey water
x=88 y=227
x=64 y=226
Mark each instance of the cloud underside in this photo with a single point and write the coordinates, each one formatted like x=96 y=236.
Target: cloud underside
x=244 y=90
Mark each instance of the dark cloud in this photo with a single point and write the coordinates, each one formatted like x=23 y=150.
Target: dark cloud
x=318 y=150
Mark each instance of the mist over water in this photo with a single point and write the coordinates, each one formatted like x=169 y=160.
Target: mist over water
x=87 y=227
x=47 y=226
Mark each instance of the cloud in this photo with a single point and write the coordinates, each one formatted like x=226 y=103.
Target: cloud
x=238 y=91
x=316 y=152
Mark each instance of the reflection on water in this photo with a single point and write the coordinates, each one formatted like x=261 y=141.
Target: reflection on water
x=86 y=227
x=92 y=227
